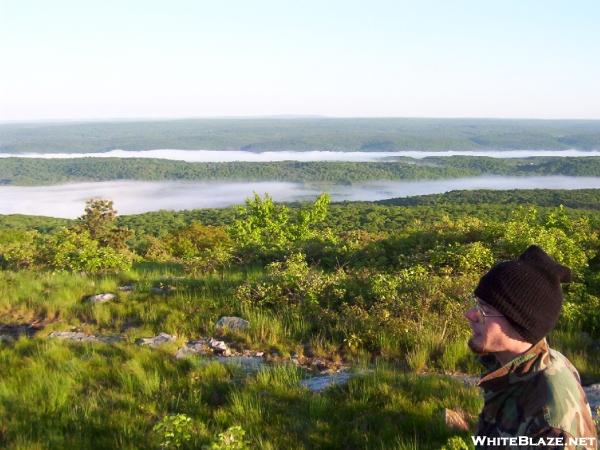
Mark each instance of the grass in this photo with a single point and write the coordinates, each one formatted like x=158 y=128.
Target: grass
x=56 y=395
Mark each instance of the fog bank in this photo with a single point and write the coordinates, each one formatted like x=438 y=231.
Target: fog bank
x=131 y=197
x=284 y=155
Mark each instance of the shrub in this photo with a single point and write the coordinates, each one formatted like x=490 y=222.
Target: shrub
x=174 y=431
x=231 y=439
x=570 y=242
x=75 y=250
x=272 y=230
x=18 y=249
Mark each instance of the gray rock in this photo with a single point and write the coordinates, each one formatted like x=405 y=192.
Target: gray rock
x=219 y=347
x=322 y=382
x=101 y=298
x=109 y=339
x=200 y=347
x=163 y=289
x=160 y=339
x=468 y=380
x=127 y=288
x=592 y=393
x=233 y=323
x=78 y=336
x=6 y=338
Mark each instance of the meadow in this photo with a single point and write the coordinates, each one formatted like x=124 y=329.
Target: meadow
x=324 y=287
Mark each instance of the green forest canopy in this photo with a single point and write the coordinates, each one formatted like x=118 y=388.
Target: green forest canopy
x=301 y=134
x=39 y=171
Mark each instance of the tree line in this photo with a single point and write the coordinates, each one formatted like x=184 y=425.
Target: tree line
x=30 y=171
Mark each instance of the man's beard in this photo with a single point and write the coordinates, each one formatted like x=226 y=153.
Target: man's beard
x=475 y=347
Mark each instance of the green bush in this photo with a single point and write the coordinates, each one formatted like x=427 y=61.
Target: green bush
x=231 y=439
x=174 y=431
x=75 y=250
x=18 y=249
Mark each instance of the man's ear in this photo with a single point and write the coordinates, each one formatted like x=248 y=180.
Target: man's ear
x=511 y=331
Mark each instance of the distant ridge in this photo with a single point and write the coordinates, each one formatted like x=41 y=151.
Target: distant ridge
x=302 y=134
x=577 y=198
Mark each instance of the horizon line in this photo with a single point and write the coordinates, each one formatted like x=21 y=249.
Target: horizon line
x=272 y=117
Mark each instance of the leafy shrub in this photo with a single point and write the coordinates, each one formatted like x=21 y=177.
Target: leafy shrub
x=265 y=228
x=174 y=431
x=230 y=439
x=195 y=240
x=293 y=282
x=473 y=257
x=75 y=250
x=570 y=242
x=456 y=443
x=18 y=249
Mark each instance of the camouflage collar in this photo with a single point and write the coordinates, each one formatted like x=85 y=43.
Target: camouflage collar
x=521 y=368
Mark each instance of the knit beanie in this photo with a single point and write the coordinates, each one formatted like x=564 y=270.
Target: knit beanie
x=526 y=291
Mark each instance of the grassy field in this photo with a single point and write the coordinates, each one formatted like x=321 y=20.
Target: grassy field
x=55 y=394
x=375 y=294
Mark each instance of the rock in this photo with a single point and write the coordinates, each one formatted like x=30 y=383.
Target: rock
x=259 y=354
x=162 y=338
x=322 y=382
x=6 y=338
x=592 y=393
x=468 y=380
x=127 y=288
x=101 y=298
x=163 y=289
x=457 y=419
x=199 y=347
x=219 y=347
x=109 y=339
x=78 y=336
x=233 y=323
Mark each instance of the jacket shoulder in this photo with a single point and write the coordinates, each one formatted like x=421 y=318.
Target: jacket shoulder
x=565 y=406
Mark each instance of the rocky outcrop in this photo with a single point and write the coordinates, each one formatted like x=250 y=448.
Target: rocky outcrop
x=127 y=288
x=78 y=336
x=232 y=323
x=156 y=341
x=163 y=289
x=198 y=347
x=219 y=347
x=101 y=298
x=323 y=382
x=592 y=393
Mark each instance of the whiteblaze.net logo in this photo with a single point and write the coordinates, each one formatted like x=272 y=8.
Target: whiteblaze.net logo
x=486 y=441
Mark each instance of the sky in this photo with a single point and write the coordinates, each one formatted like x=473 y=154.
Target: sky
x=87 y=59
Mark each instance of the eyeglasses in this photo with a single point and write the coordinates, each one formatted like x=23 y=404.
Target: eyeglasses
x=477 y=304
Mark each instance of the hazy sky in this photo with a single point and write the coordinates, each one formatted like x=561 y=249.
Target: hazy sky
x=116 y=59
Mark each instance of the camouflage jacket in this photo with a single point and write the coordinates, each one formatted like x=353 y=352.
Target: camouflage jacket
x=537 y=400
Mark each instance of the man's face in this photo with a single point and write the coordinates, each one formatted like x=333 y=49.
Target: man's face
x=489 y=329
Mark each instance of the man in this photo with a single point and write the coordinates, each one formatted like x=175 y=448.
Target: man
x=533 y=395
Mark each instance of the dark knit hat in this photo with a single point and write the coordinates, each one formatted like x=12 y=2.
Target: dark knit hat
x=526 y=291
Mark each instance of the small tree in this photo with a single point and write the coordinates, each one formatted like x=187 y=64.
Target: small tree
x=100 y=221
x=268 y=228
